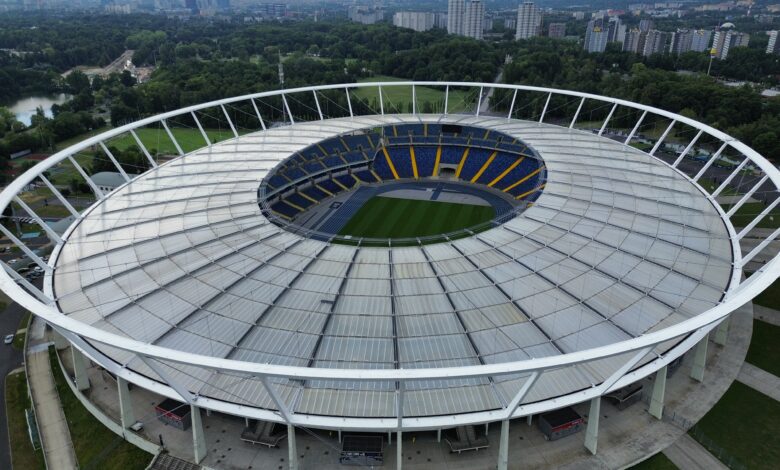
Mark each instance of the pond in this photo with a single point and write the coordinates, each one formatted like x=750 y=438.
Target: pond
x=24 y=109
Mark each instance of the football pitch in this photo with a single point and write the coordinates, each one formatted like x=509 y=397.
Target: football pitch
x=387 y=217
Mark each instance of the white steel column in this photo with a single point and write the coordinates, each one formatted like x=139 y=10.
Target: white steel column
x=734 y=173
x=198 y=437
x=287 y=107
x=114 y=161
x=512 y=106
x=59 y=196
x=446 y=98
x=98 y=193
x=636 y=128
x=257 y=111
x=609 y=116
x=230 y=122
x=656 y=408
x=349 y=102
x=414 y=99
x=479 y=99
x=747 y=196
x=546 y=103
x=722 y=333
x=79 y=369
x=700 y=360
x=663 y=137
x=49 y=231
x=24 y=248
x=399 y=455
x=143 y=149
x=579 y=108
x=381 y=101
x=126 y=415
x=503 y=446
x=709 y=163
x=200 y=128
x=292 y=448
x=170 y=136
x=756 y=220
x=687 y=149
x=592 y=432
x=317 y=102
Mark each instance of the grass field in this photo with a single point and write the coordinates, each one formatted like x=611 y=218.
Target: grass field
x=399 y=98
x=746 y=424
x=657 y=462
x=764 y=352
x=16 y=402
x=96 y=447
x=386 y=217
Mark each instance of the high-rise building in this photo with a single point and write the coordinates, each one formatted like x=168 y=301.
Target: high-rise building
x=529 y=21
x=616 y=31
x=556 y=30
x=700 y=40
x=456 y=10
x=681 y=41
x=725 y=40
x=635 y=41
x=473 y=19
x=646 y=25
x=366 y=14
x=416 y=20
x=596 y=36
x=655 y=42
x=773 y=47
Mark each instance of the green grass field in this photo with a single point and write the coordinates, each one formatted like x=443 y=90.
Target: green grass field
x=16 y=402
x=399 y=98
x=657 y=462
x=746 y=424
x=764 y=352
x=386 y=217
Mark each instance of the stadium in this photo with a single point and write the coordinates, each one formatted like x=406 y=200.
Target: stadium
x=361 y=270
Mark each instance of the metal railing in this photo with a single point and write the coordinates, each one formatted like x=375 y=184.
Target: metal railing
x=634 y=352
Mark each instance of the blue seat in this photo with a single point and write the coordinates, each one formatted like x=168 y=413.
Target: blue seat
x=451 y=154
x=313 y=167
x=476 y=158
x=367 y=177
x=355 y=142
x=299 y=200
x=314 y=193
x=501 y=162
x=402 y=161
x=346 y=180
x=355 y=156
x=426 y=160
x=277 y=181
x=295 y=173
x=285 y=209
x=330 y=185
x=333 y=161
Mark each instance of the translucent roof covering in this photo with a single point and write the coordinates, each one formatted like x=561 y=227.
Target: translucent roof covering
x=616 y=246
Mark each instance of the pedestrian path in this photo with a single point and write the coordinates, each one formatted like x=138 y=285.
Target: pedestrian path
x=52 y=425
x=687 y=454
x=760 y=380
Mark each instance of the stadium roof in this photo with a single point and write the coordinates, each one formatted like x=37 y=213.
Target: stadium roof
x=618 y=245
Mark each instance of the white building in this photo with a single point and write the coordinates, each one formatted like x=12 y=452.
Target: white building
x=416 y=20
x=473 y=19
x=529 y=21
x=455 y=13
x=365 y=14
x=772 y=47
x=725 y=40
x=700 y=40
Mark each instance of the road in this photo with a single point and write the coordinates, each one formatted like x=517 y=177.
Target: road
x=10 y=359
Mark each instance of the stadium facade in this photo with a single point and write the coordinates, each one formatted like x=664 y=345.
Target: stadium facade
x=196 y=280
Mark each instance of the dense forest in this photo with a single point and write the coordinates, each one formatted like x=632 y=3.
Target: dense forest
x=200 y=60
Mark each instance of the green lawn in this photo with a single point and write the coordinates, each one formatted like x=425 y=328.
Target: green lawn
x=17 y=401
x=657 y=462
x=387 y=217
x=96 y=447
x=763 y=352
x=399 y=98
x=750 y=210
x=746 y=424
x=770 y=297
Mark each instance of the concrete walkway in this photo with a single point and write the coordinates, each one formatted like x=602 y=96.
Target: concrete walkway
x=766 y=314
x=760 y=380
x=52 y=425
x=687 y=454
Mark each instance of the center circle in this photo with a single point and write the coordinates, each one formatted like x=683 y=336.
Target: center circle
x=415 y=182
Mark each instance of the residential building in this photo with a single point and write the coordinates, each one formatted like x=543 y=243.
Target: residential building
x=635 y=41
x=556 y=30
x=655 y=42
x=529 y=21
x=681 y=41
x=416 y=20
x=773 y=47
x=725 y=40
x=365 y=14
x=456 y=10
x=700 y=40
x=473 y=19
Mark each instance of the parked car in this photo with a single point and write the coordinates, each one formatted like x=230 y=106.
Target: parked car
x=13 y=261
x=8 y=339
